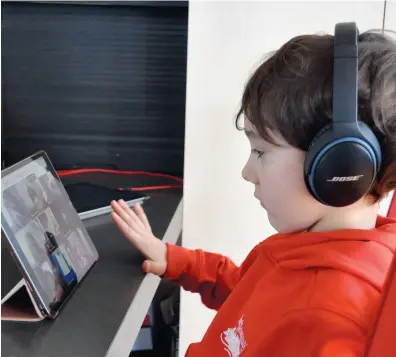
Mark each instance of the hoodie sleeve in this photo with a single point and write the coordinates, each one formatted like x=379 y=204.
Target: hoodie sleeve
x=212 y=275
x=314 y=333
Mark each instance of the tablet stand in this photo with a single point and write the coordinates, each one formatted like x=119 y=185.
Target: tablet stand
x=19 y=305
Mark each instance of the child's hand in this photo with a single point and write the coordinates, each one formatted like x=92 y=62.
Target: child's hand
x=135 y=227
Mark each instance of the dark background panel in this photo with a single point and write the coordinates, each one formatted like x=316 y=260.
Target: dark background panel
x=95 y=86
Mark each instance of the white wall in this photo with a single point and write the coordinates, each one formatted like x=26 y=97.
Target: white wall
x=390 y=17
x=225 y=40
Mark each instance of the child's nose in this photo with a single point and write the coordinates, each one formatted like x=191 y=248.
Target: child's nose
x=247 y=174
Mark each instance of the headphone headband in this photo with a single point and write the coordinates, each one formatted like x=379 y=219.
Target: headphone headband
x=345 y=77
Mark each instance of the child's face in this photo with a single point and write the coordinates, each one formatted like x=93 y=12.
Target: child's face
x=278 y=177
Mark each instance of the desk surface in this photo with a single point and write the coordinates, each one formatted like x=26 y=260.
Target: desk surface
x=105 y=313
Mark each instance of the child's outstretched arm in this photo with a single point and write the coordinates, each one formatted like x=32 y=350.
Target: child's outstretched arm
x=212 y=275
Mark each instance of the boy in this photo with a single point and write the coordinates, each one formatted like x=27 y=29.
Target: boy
x=313 y=289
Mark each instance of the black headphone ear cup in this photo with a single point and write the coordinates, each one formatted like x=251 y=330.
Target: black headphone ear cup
x=339 y=170
x=312 y=152
x=318 y=135
x=373 y=142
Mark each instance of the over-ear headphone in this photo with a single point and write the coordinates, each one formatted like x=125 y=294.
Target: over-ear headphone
x=344 y=157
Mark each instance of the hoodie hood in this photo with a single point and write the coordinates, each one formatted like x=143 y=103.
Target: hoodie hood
x=363 y=253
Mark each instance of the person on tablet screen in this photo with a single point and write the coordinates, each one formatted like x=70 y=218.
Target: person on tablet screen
x=62 y=262
x=52 y=280
x=34 y=250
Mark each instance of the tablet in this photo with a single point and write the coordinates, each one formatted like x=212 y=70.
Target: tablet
x=44 y=232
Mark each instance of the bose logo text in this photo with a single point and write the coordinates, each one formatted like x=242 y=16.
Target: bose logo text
x=345 y=178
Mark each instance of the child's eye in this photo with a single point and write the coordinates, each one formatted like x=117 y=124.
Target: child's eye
x=257 y=152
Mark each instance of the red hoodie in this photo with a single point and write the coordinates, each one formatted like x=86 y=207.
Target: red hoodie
x=306 y=294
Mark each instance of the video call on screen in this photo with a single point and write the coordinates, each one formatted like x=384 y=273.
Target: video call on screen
x=47 y=230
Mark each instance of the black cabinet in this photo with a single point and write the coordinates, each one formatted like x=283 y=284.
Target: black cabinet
x=95 y=86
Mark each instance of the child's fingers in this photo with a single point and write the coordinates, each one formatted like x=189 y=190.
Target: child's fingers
x=142 y=216
x=128 y=219
x=125 y=229
x=130 y=212
x=126 y=208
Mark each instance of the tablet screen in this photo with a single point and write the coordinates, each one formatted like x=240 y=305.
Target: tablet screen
x=44 y=231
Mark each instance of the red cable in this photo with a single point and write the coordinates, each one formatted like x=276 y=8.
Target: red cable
x=63 y=173
x=150 y=188
x=117 y=172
